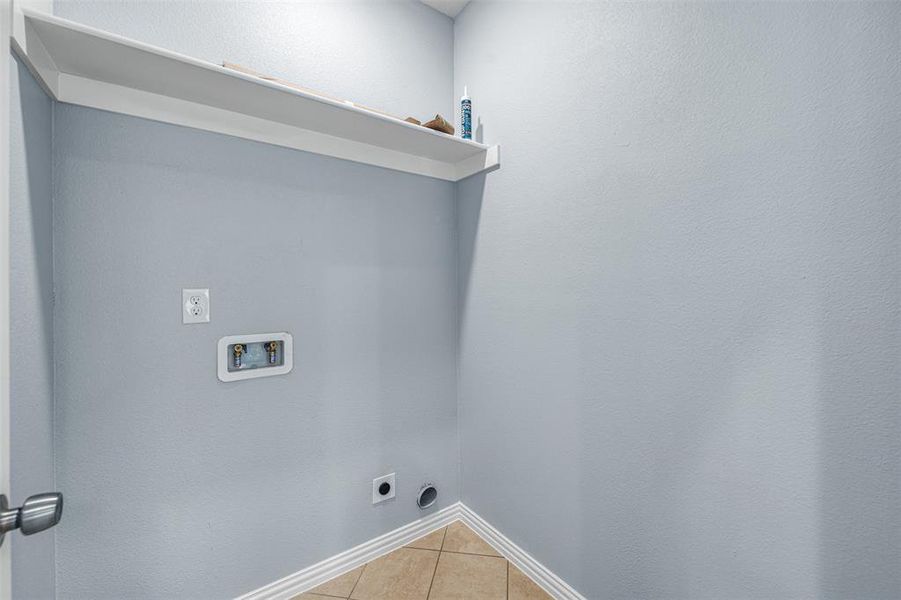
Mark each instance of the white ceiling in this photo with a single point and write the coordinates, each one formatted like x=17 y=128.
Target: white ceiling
x=451 y=8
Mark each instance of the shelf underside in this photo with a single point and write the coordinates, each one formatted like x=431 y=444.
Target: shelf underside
x=88 y=67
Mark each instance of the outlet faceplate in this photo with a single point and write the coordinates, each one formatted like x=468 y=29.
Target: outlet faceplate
x=377 y=483
x=195 y=306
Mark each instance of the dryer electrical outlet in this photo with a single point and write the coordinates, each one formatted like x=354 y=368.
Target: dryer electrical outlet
x=383 y=488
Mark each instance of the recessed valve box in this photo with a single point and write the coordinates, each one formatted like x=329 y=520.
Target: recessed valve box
x=255 y=355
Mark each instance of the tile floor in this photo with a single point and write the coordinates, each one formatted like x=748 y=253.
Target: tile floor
x=453 y=563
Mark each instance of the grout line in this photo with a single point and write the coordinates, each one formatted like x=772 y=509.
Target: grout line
x=474 y=554
x=443 y=537
x=363 y=570
x=432 y=580
x=440 y=551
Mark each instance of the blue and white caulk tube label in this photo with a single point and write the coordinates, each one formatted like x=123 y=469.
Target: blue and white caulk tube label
x=466 y=118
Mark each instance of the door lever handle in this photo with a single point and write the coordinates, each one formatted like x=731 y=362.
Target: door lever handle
x=36 y=514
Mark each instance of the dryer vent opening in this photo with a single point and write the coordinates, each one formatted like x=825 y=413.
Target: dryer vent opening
x=428 y=495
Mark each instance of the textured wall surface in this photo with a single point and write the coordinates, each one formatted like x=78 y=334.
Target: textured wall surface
x=395 y=56
x=678 y=317
x=181 y=486
x=31 y=321
x=178 y=485
x=680 y=294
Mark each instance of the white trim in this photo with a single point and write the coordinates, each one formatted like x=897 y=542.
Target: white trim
x=487 y=162
x=94 y=68
x=166 y=109
x=521 y=559
x=317 y=574
x=5 y=32
x=17 y=25
x=307 y=579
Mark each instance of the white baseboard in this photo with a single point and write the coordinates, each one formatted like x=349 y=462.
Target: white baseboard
x=536 y=571
x=306 y=579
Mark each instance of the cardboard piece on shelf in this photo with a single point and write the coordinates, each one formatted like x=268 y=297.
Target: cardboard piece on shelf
x=439 y=123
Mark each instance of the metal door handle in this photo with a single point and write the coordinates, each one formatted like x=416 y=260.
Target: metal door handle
x=36 y=514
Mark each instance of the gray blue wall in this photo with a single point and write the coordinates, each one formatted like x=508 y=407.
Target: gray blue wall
x=678 y=317
x=31 y=320
x=178 y=485
x=392 y=55
x=680 y=295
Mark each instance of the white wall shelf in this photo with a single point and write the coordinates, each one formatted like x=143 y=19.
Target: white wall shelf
x=85 y=66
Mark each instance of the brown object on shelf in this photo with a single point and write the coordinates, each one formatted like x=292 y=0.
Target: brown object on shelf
x=413 y=120
x=440 y=124
x=246 y=71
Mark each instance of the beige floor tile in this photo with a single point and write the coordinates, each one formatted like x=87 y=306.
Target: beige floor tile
x=404 y=574
x=431 y=541
x=460 y=538
x=469 y=577
x=310 y=596
x=340 y=586
x=521 y=587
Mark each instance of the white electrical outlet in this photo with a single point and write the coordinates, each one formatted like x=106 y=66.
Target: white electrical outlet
x=195 y=306
x=383 y=488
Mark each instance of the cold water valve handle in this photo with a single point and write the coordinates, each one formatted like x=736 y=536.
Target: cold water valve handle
x=272 y=348
x=36 y=514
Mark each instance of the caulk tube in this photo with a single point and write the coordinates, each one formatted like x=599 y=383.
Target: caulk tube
x=466 y=115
